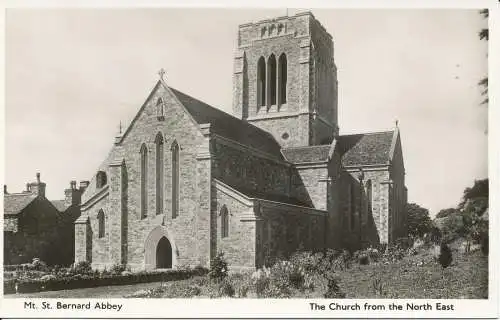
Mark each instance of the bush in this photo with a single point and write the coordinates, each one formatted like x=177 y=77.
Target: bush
x=260 y=281
x=484 y=244
x=82 y=267
x=226 y=289
x=218 y=267
x=333 y=289
x=118 y=269
x=363 y=259
x=445 y=256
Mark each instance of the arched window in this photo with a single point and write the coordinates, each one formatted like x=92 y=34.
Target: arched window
x=353 y=206
x=101 y=179
x=271 y=71
x=175 y=179
x=369 y=201
x=144 y=181
x=261 y=82
x=160 y=109
x=224 y=222
x=101 y=219
x=159 y=173
x=282 y=76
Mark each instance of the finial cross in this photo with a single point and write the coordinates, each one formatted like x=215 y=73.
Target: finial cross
x=397 y=123
x=120 y=127
x=161 y=73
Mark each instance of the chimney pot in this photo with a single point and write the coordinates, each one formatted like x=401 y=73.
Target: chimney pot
x=38 y=177
x=73 y=184
x=5 y=189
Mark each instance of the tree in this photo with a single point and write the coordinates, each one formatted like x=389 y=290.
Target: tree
x=419 y=221
x=446 y=212
x=480 y=190
x=484 y=34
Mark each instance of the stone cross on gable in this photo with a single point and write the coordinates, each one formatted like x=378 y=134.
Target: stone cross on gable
x=162 y=74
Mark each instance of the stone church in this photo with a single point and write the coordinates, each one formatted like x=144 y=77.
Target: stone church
x=186 y=180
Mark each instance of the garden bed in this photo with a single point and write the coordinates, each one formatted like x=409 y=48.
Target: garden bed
x=95 y=280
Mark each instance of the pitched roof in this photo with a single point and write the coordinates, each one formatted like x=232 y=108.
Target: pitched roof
x=60 y=205
x=226 y=125
x=252 y=193
x=366 y=148
x=307 y=154
x=15 y=203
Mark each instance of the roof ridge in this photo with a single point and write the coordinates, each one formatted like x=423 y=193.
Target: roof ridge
x=366 y=133
x=308 y=147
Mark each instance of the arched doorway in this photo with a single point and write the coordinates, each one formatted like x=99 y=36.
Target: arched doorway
x=163 y=254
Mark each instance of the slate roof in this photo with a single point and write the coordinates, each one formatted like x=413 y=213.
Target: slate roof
x=365 y=149
x=271 y=197
x=13 y=204
x=307 y=154
x=228 y=126
x=60 y=205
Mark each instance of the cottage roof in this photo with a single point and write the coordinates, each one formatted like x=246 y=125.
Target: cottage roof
x=14 y=204
x=60 y=205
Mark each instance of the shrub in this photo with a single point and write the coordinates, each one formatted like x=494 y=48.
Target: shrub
x=226 y=289
x=38 y=265
x=378 y=287
x=218 y=267
x=260 y=281
x=363 y=259
x=117 y=268
x=445 y=256
x=333 y=289
x=82 y=267
x=484 y=244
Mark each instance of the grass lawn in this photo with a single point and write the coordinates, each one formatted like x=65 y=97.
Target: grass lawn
x=466 y=278
x=413 y=277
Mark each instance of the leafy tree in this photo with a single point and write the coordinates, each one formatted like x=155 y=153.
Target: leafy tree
x=484 y=35
x=445 y=256
x=446 y=212
x=419 y=221
x=480 y=189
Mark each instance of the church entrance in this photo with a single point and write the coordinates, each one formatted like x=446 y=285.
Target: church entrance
x=163 y=254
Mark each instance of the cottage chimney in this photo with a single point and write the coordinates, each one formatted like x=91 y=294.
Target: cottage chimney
x=83 y=185
x=37 y=187
x=5 y=189
x=72 y=195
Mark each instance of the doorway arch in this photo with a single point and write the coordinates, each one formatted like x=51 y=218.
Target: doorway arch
x=163 y=254
x=160 y=251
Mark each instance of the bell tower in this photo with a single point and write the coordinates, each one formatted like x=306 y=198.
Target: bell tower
x=285 y=79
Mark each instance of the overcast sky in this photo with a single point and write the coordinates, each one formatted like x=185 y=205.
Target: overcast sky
x=73 y=75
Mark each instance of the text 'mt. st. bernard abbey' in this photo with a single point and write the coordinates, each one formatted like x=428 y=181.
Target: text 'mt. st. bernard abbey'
x=186 y=180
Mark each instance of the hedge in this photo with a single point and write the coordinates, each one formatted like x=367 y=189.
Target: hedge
x=89 y=281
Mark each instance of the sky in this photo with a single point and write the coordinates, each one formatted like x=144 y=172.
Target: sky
x=72 y=75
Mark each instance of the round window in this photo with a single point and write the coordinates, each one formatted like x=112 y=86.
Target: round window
x=285 y=136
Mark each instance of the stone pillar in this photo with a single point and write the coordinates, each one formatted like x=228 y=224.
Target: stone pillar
x=384 y=213
x=115 y=212
x=83 y=240
x=206 y=242
x=240 y=109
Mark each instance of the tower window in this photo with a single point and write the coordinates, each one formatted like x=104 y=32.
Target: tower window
x=175 y=179
x=159 y=173
x=271 y=70
x=282 y=79
x=261 y=82
x=144 y=180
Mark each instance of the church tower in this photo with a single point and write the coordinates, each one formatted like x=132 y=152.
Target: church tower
x=285 y=79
